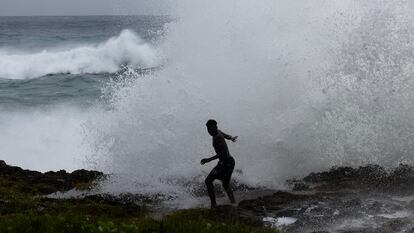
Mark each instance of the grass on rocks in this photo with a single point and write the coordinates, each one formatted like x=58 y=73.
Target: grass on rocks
x=23 y=210
x=32 y=222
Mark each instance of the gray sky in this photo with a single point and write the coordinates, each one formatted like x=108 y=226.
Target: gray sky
x=82 y=7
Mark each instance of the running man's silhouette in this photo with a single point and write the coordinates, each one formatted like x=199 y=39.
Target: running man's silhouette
x=225 y=166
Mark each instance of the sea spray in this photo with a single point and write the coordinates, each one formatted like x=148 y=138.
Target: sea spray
x=305 y=86
x=367 y=113
x=245 y=64
x=43 y=140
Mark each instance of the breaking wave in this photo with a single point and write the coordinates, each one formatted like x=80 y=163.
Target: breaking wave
x=245 y=64
x=305 y=86
x=126 y=49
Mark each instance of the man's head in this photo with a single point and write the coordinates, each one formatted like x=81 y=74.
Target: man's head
x=212 y=127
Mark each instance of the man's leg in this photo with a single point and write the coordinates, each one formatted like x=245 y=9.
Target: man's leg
x=229 y=191
x=210 y=189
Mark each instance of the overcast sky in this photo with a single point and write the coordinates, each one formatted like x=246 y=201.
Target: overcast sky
x=82 y=7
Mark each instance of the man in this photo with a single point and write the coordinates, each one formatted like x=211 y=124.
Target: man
x=225 y=166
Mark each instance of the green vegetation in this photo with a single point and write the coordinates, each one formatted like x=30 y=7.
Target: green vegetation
x=22 y=223
x=23 y=209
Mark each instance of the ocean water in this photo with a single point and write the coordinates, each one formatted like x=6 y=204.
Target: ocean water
x=305 y=85
x=52 y=72
x=52 y=60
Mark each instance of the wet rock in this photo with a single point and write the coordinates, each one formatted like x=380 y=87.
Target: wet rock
x=48 y=182
x=127 y=203
x=375 y=207
x=395 y=225
x=290 y=212
x=274 y=202
x=300 y=186
x=368 y=230
x=335 y=175
x=354 y=203
x=368 y=178
x=402 y=178
x=340 y=195
x=320 y=211
x=411 y=205
x=411 y=230
x=84 y=175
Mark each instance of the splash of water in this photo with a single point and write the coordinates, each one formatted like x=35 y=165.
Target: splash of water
x=300 y=98
x=367 y=114
x=43 y=140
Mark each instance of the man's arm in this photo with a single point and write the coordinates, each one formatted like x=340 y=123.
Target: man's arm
x=229 y=137
x=220 y=150
x=203 y=161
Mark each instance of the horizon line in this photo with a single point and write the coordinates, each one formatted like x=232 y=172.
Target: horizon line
x=84 y=15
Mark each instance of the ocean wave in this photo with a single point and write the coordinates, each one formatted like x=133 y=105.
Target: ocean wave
x=127 y=48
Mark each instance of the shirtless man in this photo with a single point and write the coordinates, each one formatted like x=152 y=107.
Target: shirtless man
x=225 y=166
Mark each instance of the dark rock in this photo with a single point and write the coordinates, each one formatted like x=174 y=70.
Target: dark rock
x=410 y=230
x=48 y=182
x=273 y=202
x=85 y=176
x=128 y=205
x=334 y=175
x=403 y=172
x=46 y=189
x=394 y=225
x=354 y=203
x=402 y=178
x=300 y=186
x=375 y=207
x=369 y=178
x=339 y=195
x=411 y=205
x=371 y=174
x=290 y=212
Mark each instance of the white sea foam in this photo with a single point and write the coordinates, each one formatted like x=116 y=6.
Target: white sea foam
x=279 y=222
x=127 y=48
x=398 y=214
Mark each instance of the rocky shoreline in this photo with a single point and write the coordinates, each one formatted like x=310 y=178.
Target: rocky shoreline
x=365 y=199
x=49 y=182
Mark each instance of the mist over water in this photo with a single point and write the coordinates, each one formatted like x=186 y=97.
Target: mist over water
x=305 y=86
x=43 y=140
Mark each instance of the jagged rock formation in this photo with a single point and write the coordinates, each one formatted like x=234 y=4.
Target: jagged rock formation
x=48 y=182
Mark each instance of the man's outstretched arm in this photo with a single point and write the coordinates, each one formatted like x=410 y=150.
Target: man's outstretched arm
x=229 y=137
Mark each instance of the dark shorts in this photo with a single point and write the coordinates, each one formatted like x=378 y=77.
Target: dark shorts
x=223 y=170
